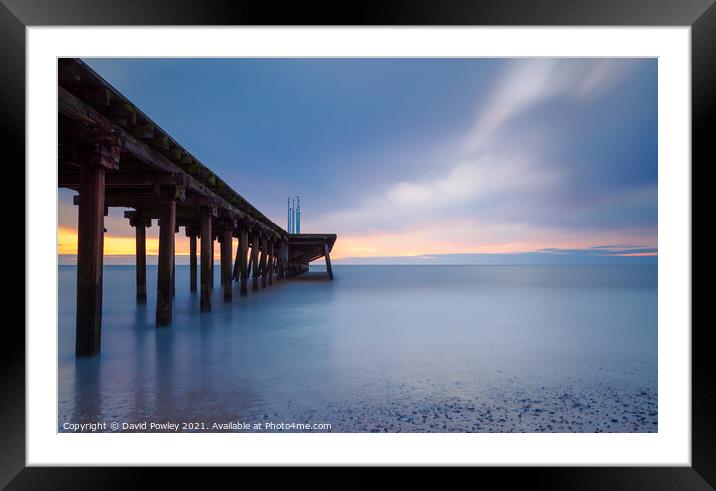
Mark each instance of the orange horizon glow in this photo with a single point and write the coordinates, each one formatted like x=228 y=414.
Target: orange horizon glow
x=461 y=238
x=405 y=244
x=122 y=245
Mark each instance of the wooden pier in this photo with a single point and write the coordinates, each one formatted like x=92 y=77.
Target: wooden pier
x=113 y=155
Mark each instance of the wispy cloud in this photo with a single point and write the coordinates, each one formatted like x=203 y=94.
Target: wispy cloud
x=603 y=251
x=527 y=83
x=468 y=184
x=505 y=188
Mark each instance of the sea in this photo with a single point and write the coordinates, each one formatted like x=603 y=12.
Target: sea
x=379 y=349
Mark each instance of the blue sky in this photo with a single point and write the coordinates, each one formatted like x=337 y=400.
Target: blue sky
x=406 y=157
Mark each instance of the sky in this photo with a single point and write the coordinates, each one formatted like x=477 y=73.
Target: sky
x=438 y=160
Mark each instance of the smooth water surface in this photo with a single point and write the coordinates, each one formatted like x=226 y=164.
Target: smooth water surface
x=380 y=348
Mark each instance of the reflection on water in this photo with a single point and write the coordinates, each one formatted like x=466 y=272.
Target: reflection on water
x=381 y=348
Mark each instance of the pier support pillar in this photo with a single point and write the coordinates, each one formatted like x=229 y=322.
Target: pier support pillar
x=90 y=248
x=286 y=264
x=255 y=262
x=264 y=261
x=271 y=260
x=165 y=266
x=251 y=262
x=99 y=152
x=243 y=250
x=225 y=242
x=326 y=253
x=279 y=260
x=140 y=232
x=211 y=270
x=290 y=270
x=236 y=272
x=192 y=258
x=174 y=261
x=206 y=258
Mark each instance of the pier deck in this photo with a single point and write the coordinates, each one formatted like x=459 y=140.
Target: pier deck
x=114 y=155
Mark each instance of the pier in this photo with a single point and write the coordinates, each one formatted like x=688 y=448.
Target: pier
x=114 y=155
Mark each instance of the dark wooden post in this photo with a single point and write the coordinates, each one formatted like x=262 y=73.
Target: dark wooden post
x=255 y=262
x=282 y=259
x=211 y=270
x=192 y=258
x=165 y=267
x=139 y=223
x=270 y=262
x=90 y=247
x=206 y=251
x=251 y=262
x=285 y=261
x=243 y=250
x=264 y=257
x=226 y=261
x=236 y=272
x=287 y=265
x=279 y=251
x=328 y=261
x=174 y=260
x=95 y=158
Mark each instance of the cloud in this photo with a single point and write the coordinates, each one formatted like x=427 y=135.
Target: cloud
x=472 y=180
x=526 y=83
x=468 y=184
x=504 y=181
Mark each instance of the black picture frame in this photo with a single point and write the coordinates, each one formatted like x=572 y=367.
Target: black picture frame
x=16 y=15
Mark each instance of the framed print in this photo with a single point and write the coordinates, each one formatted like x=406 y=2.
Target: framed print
x=418 y=236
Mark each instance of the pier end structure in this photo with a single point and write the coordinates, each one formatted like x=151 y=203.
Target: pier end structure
x=305 y=248
x=114 y=155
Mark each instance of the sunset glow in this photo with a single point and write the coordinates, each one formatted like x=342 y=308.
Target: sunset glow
x=515 y=156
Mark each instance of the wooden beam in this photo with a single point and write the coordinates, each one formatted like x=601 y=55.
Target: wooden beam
x=69 y=179
x=90 y=248
x=75 y=109
x=308 y=256
x=144 y=131
x=309 y=243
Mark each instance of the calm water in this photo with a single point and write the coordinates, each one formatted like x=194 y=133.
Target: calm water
x=381 y=348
